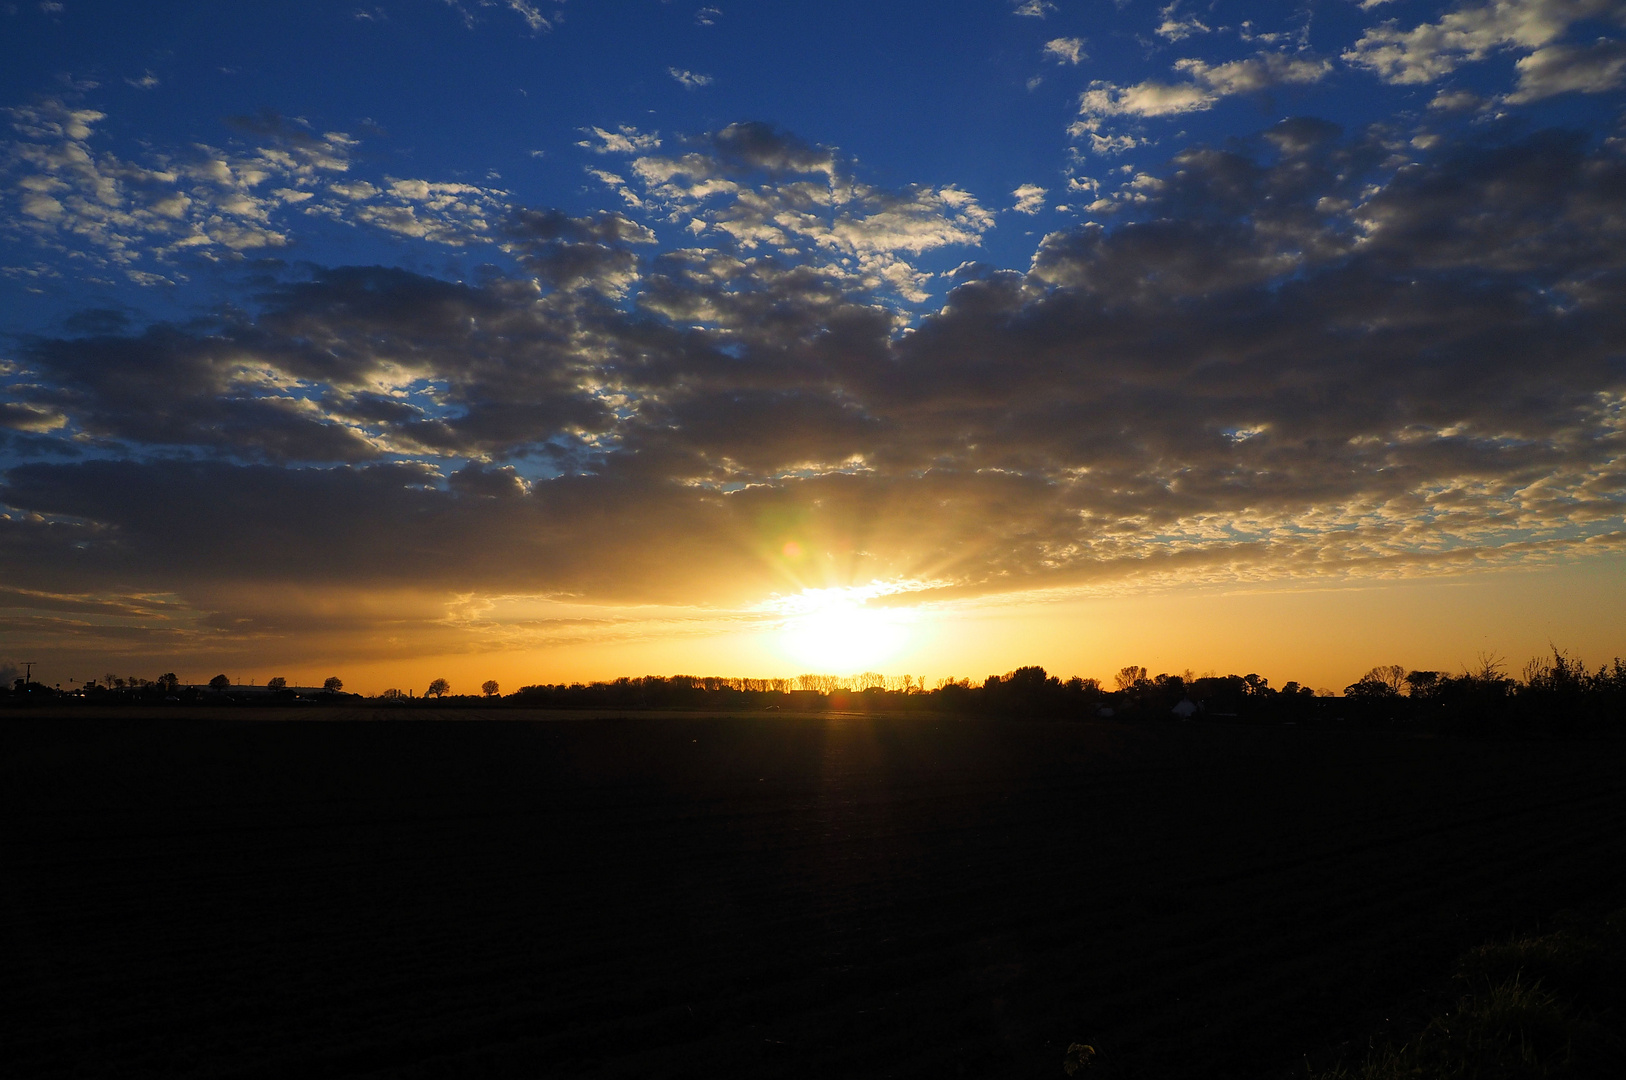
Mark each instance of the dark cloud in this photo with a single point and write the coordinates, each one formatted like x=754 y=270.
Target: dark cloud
x=753 y=145
x=173 y=387
x=572 y=253
x=1288 y=355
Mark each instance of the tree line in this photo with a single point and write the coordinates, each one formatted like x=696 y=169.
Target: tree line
x=1555 y=695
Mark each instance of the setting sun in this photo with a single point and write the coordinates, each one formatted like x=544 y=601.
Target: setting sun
x=835 y=630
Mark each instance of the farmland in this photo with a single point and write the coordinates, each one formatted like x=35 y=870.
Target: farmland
x=338 y=893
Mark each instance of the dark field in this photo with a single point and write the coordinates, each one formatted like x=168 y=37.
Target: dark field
x=770 y=896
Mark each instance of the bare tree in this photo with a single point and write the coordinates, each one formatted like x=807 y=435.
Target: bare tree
x=439 y=688
x=489 y=688
x=1487 y=668
x=1129 y=676
x=1391 y=675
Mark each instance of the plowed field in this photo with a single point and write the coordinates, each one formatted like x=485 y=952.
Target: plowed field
x=512 y=895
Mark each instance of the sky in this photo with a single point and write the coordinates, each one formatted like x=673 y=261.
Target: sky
x=553 y=340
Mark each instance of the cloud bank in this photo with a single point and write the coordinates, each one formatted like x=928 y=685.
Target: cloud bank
x=1298 y=356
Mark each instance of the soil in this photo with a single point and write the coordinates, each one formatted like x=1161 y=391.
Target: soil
x=327 y=893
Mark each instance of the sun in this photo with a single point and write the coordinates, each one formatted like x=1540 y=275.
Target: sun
x=835 y=631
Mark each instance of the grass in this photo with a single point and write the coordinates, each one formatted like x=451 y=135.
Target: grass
x=1545 y=1006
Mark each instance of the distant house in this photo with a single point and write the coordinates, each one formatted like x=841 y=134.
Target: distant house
x=1185 y=708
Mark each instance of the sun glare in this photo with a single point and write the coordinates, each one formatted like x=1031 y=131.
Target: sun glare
x=835 y=631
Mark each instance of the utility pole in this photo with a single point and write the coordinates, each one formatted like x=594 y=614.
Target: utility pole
x=28 y=672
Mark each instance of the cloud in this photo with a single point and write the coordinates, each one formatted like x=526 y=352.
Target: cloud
x=689 y=80
x=1558 y=69
x=624 y=140
x=1029 y=199
x=1065 y=50
x=533 y=18
x=1288 y=357
x=1450 y=101
x=1470 y=33
x=1034 y=9
x=529 y=13
x=707 y=16
x=22 y=416
x=1103 y=145
x=141 y=218
x=146 y=82
x=567 y=253
x=1208 y=84
x=765 y=190
x=1175 y=28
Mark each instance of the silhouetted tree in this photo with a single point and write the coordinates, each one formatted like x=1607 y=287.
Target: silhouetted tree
x=333 y=684
x=219 y=682
x=439 y=688
x=1129 y=676
x=1422 y=684
x=489 y=688
x=1370 y=688
x=1391 y=675
x=278 y=683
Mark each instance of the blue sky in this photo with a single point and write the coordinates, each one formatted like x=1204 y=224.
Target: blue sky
x=965 y=299
x=977 y=95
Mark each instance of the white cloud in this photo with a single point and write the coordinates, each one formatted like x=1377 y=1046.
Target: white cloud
x=146 y=82
x=707 y=16
x=1029 y=199
x=527 y=11
x=624 y=140
x=74 y=197
x=801 y=204
x=1034 y=9
x=1065 y=50
x=533 y=18
x=689 y=79
x=1107 y=145
x=1175 y=28
x=1471 y=33
x=1456 y=101
x=1209 y=83
x=617 y=184
x=1558 y=69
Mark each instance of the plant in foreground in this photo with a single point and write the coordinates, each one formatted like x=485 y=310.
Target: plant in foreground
x=1080 y=1056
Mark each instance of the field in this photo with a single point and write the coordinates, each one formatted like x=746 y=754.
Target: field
x=512 y=894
